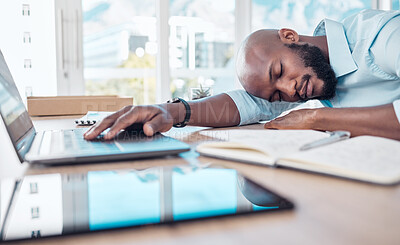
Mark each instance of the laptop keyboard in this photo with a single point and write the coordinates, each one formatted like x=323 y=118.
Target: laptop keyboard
x=72 y=141
x=97 y=146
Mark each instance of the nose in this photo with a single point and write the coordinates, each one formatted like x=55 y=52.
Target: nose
x=287 y=87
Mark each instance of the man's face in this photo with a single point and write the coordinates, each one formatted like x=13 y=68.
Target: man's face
x=287 y=72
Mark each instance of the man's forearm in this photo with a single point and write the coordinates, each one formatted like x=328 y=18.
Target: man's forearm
x=378 y=121
x=214 y=111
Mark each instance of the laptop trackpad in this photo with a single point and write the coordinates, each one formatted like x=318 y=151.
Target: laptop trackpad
x=133 y=141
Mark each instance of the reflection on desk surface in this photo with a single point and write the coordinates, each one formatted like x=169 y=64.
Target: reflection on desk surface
x=57 y=204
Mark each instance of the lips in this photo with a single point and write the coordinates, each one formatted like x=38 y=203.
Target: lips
x=310 y=90
x=303 y=90
x=306 y=90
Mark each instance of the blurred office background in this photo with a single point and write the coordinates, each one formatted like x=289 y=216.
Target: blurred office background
x=149 y=49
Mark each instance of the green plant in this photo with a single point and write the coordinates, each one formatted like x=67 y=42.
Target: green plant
x=198 y=93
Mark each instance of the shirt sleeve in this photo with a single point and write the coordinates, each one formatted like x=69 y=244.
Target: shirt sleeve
x=385 y=49
x=253 y=109
x=387 y=44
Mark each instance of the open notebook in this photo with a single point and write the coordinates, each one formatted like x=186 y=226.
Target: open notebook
x=365 y=158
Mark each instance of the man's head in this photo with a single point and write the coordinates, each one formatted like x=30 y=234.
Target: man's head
x=275 y=65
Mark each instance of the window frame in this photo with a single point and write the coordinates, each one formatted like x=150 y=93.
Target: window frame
x=69 y=47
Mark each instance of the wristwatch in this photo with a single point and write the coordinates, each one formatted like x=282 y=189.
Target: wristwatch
x=187 y=109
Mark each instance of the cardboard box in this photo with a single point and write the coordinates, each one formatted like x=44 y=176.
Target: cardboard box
x=75 y=105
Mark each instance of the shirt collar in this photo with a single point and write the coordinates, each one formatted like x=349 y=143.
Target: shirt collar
x=340 y=57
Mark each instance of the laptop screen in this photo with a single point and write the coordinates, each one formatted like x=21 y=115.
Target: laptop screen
x=12 y=108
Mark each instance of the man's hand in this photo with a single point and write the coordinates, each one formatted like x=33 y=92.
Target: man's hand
x=155 y=118
x=377 y=121
x=214 y=111
x=298 y=119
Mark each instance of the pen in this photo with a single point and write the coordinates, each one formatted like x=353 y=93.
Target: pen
x=335 y=137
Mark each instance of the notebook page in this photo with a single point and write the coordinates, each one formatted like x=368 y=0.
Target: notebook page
x=366 y=156
x=273 y=142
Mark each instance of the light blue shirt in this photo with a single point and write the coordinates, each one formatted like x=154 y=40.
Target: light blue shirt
x=364 y=52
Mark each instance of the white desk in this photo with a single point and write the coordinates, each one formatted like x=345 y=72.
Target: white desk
x=328 y=210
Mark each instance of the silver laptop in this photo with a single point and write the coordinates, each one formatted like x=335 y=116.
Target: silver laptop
x=68 y=146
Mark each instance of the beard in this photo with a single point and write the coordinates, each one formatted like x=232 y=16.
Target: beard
x=313 y=57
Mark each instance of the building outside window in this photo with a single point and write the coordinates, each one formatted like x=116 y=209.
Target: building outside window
x=120 y=48
x=202 y=38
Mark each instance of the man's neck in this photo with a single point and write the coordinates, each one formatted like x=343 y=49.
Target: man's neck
x=319 y=41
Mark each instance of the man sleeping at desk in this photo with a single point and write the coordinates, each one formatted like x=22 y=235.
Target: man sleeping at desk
x=352 y=67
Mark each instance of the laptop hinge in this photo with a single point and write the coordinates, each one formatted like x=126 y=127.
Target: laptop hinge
x=23 y=146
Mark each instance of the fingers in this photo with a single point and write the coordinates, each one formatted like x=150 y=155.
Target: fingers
x=139 y=114
x=268 y=125
x=271 y=125
x=99 y=127
x=122 y=122
x=283 y=123
x=300 y=119
x=157 y=124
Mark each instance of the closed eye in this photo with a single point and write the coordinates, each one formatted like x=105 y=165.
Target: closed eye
x=280 y=75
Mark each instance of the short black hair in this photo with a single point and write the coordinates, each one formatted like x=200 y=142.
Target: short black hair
x=313 y=57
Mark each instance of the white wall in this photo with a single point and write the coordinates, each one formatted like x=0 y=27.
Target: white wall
x=41 y=78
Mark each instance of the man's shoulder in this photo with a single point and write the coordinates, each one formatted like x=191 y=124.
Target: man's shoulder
x=370 y=16
x=366 y=24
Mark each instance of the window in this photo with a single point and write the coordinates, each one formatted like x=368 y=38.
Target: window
x=302 y=15
x=35 y=212
x=120 y=48
x=33 y=188
x=66 y=47
x=26 y=10
x=202 y=36
x=396 y=5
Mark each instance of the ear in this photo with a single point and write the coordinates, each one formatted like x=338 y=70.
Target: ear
x=288 y=36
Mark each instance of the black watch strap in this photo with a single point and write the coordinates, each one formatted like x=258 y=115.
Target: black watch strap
x=187 y=114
